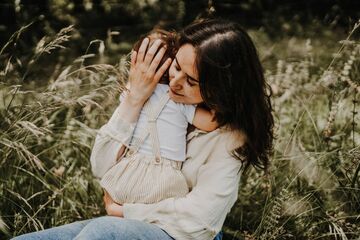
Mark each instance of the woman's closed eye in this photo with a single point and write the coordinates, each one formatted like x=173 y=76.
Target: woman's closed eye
x=190 y=82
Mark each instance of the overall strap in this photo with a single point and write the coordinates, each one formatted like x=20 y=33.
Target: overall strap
x=153 y=113
x=137 y=142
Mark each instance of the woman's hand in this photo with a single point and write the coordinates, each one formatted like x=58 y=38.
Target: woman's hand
x=143 y=76
x=111 y=207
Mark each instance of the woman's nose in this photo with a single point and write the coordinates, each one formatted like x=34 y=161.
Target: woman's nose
x=176 y=82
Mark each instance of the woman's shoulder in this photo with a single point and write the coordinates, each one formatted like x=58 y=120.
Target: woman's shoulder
x=212 y=153
x=223 y=140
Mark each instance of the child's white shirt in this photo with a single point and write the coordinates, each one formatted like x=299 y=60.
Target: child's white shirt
x=171 y=125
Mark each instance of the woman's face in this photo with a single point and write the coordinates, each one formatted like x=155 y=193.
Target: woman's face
x=183 y=77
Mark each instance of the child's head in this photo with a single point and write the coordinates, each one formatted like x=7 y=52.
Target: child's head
x=169 y=39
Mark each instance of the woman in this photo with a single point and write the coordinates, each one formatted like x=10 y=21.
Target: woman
x=217 y=66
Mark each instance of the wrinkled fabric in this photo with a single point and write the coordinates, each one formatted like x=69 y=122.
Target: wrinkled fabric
x=138 y=178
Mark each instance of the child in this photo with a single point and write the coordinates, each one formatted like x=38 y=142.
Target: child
x=149 y=170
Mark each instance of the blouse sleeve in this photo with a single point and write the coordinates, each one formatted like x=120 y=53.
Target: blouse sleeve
x=189 y=112
x=110 y=138
x=202 y=212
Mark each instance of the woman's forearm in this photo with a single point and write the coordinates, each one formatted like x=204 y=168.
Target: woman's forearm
x=129 y=111
x=115 y=135
x=130 y=108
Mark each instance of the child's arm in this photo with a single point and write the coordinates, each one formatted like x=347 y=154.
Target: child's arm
x=204 y=120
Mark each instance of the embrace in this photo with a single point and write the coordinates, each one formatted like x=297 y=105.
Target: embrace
x=195 y=115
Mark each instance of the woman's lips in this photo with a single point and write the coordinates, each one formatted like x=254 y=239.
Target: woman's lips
x=175 y=93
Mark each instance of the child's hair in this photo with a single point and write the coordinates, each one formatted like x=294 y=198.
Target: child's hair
x=169 y=39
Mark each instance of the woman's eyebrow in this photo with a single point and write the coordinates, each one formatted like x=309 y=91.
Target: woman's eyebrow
x=192 y=79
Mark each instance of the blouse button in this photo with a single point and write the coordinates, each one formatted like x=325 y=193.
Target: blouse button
x=157 y=159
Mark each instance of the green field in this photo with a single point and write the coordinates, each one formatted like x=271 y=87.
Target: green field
x=50 y=109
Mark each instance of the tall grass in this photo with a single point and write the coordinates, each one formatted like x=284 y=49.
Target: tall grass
x=47 y=127
x=46 y=135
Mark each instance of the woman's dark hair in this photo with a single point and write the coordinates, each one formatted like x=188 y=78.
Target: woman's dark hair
x=169 y=39
x=232 y=83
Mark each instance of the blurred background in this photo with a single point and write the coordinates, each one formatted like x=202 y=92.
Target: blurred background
x=93 y=18
x=122 y=22
x=62 y=65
